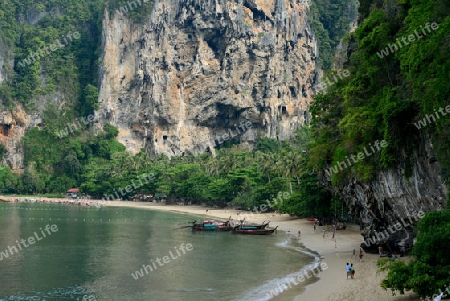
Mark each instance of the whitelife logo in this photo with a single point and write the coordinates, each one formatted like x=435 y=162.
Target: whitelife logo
x=238 y=130
x=359 y=157
x=328 y=82
x=166 y=259
x=41 y=52
x=283 y=286
x=423 y=122
x=392 y=229
x=281 y=196
x=130 y=188
x=13 y=249
x=411 y=38
x=75 y=126
x=123 y=10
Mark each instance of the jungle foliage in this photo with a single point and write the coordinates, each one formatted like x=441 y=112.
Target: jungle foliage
x=101 y=167
x=385 y=96
x=428 y=273
x=331 y=21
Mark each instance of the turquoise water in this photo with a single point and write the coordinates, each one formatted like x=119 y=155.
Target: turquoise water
x=95 y=251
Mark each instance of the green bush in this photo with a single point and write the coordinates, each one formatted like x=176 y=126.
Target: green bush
x=429 y=271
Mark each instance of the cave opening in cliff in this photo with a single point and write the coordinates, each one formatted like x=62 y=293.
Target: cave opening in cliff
x=293 y=91
x=217 y=42
x=258 y=15
x=4 y=129
x=227 y=114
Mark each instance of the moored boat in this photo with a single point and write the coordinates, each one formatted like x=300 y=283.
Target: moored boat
x=254 y=226
x=211 y=225
x=266 y=231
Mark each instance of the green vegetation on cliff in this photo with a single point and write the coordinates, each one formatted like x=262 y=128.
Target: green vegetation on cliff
x=388 y=92
x=330 y=20
x=48 y=58
x=428 y=273
x=56 y=46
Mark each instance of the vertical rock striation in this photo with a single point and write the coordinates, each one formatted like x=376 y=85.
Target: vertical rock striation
x=12 y=128
x=396 y=197
x=198 y=69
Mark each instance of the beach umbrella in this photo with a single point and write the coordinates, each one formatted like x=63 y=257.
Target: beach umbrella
x=73 y=190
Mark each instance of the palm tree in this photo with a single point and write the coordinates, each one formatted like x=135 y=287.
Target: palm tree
x=291 y=163
x=266 y=163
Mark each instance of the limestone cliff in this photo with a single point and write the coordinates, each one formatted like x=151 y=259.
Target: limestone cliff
x=11 y=130
x=198 y=69
x=12 y=123
x=396 y=196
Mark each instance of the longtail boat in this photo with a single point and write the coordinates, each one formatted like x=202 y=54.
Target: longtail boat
x=254 y=226
x=266 y=231
x=211 y=225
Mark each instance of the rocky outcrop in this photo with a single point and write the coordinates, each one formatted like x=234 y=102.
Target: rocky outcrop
x=12 y=128
x=6 y=61
x=388 y=205
x=199 y=69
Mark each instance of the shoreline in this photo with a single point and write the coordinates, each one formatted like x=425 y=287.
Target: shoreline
x=329 y=285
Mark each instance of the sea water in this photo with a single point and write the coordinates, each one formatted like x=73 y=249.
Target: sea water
x=100 y=254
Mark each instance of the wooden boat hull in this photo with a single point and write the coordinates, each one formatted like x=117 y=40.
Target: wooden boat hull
x=212 y=226
x=255 y=231
x=251 y=226
x=201 y=228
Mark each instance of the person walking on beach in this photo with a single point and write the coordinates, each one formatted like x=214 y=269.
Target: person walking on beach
x=323 y=233
x=314 y=226
x=299 y=234
x=352 y=271
x=380 y=250
x=354 y=254
x=360 y=254
x=348 y=268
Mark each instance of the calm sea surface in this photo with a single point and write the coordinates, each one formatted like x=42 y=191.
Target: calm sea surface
x=95 y=251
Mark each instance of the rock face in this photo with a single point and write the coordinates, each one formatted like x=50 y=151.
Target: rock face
x=389 y=205
x=5 y=62
x=12 y=128
x=12 y=123
x=198 y=70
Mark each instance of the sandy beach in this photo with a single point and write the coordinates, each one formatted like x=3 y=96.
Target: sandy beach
x=333 y=284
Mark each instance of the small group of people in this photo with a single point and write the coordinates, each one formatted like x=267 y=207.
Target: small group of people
x=350 y=270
